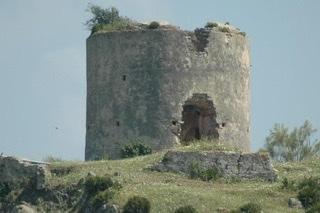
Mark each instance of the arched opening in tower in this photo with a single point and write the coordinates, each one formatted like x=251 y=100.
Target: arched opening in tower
x=199 y=119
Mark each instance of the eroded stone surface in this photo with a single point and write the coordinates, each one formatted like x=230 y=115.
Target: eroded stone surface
x=23 y=208
x=18 y=172
x=230 y=164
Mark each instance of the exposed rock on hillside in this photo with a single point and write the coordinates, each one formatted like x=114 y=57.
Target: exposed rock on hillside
x=23 y=208
x=18 y=172
x=230 y=164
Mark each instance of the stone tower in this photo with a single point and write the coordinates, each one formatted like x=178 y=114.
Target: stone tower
x=163 y=85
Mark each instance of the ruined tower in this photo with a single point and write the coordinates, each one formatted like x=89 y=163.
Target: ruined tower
x=163 y=85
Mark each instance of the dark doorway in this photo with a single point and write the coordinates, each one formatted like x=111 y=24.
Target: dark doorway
x=190 y=127
x=199 y=118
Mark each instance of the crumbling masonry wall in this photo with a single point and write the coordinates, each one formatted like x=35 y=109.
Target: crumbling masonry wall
x=18 y=172
x=138 y=82
x=228 y=164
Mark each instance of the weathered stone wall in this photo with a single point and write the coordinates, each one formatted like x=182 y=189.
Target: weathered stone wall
x=229 y=164
x=138 y=81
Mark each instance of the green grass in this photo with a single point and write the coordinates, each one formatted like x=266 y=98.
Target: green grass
x=115 y=26
x=168 y=191
x=206 y=145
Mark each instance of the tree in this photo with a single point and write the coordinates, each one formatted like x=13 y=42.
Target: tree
x=296 y=145
x=102 y=16
x=107 y=19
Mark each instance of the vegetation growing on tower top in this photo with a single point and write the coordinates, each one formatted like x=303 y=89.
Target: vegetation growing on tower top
x=108 y=19
x=154 y=25
x=211 y=25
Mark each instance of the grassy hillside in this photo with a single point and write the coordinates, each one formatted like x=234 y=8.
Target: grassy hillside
x=168 y=191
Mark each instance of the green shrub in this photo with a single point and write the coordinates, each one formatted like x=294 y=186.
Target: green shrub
x=100 y=190
x=196 y=171
x=135 y=149
x=137 y=204
x=96 y=28
x=165 y=159
x=288 y=185
x=250 y=208
x=225 y=29
x=186 y=209
x=107 y=20
x=154 y=25
x=102 y=16
x=211 y=25
x=119 y=25
x=5 y=189
x=103 y=197
x=314 y=209
x=212 y=174
x=309 y=192
x=232 y=180
x=244 y=34
x=95 y=184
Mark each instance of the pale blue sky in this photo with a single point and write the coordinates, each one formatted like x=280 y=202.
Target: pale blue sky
x=42 y=59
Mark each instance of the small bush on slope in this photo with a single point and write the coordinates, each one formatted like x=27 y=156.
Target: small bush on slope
x=103 y=197
x=314 y=209
x=135 y=149
x=196 y=171
x=309 y=192
x=96 y=184
x=137 y=204
x=288 y=184
x=5 y=189
x=100 y=189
